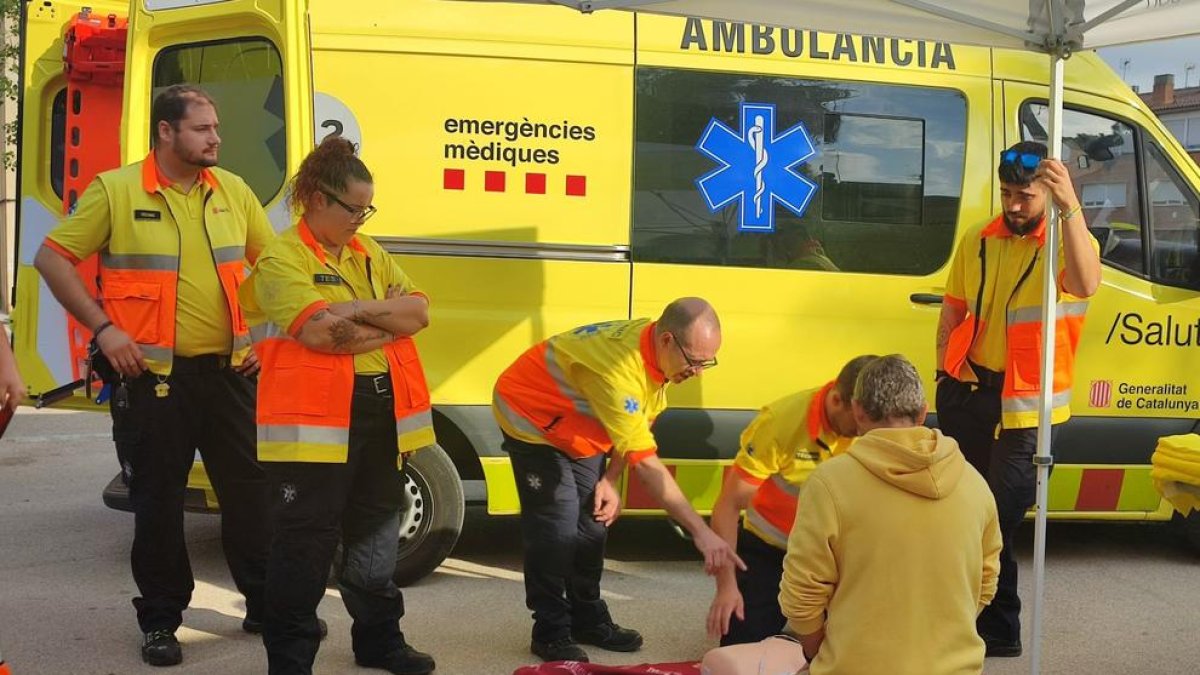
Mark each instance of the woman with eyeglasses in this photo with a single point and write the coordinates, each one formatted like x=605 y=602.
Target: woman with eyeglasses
x=341 y=400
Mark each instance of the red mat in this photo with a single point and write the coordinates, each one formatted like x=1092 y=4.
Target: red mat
x=576 y=668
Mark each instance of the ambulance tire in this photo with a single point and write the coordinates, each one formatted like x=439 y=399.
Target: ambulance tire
x=430 y=527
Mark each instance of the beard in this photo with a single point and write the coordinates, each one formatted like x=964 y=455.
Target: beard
x=197 y=158
x=1020 y=228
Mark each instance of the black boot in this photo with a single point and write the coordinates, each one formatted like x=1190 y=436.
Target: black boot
x=160 y=648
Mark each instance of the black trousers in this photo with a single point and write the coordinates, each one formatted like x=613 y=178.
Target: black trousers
x=970 y=415
x=759 y=586
x=316 y=503
x=208 y=408
x=564 y=544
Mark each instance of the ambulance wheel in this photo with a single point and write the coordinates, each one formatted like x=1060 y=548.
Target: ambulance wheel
x=430 y=526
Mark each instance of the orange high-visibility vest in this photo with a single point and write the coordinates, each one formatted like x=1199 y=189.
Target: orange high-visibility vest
x=789 y=438
x=1022 y=313
x=304 y=396
x=139 y=267
x=588 y=391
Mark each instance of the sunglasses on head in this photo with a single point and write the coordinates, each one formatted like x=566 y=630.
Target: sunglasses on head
x=1027 y=160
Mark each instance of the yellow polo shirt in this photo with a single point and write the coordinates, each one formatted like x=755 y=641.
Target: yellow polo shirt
x=291 y=282
x=202 y=321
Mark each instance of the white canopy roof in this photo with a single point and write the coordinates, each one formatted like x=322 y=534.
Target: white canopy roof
x=1040 y=25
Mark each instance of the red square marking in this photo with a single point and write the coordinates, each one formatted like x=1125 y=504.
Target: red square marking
x=453 y=179
x=636 y=494
x=493 y=181
x=576 y=186
x=1099 y=490
x=535 y=183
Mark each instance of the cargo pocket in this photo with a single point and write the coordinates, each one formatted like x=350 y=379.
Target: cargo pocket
x=134 y=306
x=231 y=280
x=414 y=391
x=297 y=388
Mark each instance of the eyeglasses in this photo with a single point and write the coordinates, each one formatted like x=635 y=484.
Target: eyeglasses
x=359 y=213
x=1027 y=160
x=694 y=364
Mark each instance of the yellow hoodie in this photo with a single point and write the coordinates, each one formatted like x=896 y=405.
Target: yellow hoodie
x=895 y=551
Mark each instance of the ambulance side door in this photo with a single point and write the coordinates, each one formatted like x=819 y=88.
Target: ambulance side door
x=1135 y=376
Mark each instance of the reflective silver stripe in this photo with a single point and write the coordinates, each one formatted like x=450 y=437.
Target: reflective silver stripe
x=773 y=534
x=523 y=425
x=266 y=331
x=241 y=342
x=157 y=353
x=1030 y=403
x=295 y=433
x=581 y=404
x=1034 y=314
x=789 y=488
x=228 y=254
x=414 y=422
x=121 y=261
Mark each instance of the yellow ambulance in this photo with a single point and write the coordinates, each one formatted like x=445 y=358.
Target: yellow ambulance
x=538 y=170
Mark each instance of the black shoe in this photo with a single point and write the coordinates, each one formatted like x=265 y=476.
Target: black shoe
x=609 y=636
x=402 y=661
x=1002 y=648
x=160 y=648
x=255 y=627
x=562 y=649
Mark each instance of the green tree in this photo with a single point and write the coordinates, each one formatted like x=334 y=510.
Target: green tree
x=10 y=12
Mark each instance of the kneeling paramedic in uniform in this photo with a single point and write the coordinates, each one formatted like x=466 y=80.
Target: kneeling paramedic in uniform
x=989 y=345
x=565 y=405
x=779 y=449
x=896 y=544
x=174 y=233
x=342 y=398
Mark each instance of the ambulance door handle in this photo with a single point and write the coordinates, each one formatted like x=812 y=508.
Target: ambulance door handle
x=926 y=298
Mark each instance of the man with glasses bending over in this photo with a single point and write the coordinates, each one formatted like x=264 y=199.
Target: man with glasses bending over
x=989 y=349
x=568 y=406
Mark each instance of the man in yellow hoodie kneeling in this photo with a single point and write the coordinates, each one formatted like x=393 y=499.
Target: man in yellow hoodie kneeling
x=896 y=545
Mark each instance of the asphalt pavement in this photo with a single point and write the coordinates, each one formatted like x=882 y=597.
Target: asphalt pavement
x=1120 y=598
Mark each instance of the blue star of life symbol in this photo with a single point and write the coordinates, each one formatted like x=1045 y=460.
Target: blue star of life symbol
x=756 y=167
x=591 y=329
x=631 y=405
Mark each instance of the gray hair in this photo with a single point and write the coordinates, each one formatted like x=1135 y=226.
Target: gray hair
x=890 y=388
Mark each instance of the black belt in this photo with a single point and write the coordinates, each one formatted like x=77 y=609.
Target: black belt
x=205 y=363
x=988 y=379
x=373 y=385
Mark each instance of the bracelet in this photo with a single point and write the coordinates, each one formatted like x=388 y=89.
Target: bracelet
x=101 y=328
x=1064 y=217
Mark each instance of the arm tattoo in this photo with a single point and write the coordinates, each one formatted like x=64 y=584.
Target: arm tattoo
x=346 y=335
x=943 y=335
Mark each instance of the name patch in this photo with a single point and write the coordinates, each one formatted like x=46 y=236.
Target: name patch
x=144 y=214
x=327 y=279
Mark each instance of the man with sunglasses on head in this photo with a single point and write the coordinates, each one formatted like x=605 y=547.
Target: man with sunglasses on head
x=989 y=348
x=174 y=233
x=568 y=407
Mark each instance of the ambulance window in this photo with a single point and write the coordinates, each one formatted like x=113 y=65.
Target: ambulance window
x=1101 y=156
x=245 y=78
x=1174 y=222
x=58 y=142
x=879 y=193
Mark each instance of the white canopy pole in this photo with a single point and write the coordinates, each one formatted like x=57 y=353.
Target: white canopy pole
x=1042 y=459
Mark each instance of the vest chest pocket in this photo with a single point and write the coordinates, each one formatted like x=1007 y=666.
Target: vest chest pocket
x=134 y=306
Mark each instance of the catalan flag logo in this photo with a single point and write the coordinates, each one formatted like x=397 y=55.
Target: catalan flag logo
x=1100 y=395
